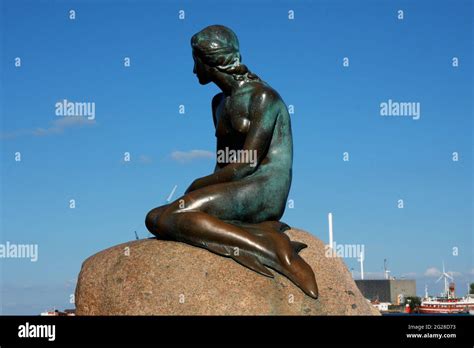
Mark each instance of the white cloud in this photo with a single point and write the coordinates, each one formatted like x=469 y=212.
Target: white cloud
x=187 y=156
x=56 y=127
x=455 y=274
x=432 y=272
x=59 y=125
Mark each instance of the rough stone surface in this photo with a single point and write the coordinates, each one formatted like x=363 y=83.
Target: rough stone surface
x=156 y=277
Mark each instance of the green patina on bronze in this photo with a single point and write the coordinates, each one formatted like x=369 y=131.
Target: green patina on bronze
x=235 y=211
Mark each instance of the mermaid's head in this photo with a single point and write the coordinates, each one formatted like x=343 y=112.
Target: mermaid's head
x=217 y=47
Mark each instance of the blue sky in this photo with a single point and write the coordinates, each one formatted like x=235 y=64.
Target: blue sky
x=337 y=109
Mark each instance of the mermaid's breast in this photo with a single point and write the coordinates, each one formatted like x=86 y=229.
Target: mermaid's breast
x=240 y=123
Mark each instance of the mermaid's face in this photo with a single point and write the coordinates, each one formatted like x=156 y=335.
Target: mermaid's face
x=202 y=71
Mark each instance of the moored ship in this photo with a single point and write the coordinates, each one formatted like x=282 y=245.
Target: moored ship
x=443 y=305
x=448 y=303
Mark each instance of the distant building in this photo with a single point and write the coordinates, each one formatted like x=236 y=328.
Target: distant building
x=387 y=290
x=57 y=313
x=381 y=306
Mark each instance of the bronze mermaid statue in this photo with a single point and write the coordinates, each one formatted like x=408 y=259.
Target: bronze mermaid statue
x=235 y=211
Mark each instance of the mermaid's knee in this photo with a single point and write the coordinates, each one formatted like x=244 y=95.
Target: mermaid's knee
x=150 y=220
x=167 y=224
x=153 y=216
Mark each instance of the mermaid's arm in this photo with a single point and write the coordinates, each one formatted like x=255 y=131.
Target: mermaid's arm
x=214 y=104
x=263 y=116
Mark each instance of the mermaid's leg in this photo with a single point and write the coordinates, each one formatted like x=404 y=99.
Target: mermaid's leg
x=152 y=219
x=202 y=224
x=270 y=226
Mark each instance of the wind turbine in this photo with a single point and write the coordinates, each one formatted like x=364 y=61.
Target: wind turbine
x=331 y=242
x=385 y=269
x=446 y=276
x=361 y=260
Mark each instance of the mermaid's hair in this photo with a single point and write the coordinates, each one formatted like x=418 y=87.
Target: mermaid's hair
x=217 y=46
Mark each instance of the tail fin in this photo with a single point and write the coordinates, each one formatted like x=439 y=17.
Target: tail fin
x=243 y=257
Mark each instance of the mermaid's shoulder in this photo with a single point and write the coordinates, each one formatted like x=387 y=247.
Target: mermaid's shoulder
x=262 y=92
